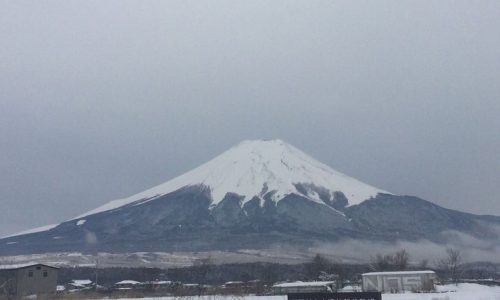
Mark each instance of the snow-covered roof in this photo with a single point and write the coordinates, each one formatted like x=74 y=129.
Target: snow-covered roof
x=303 y=284
x=350 y=288
x=81 y=282
x=127 y=282
x=400 y=273
x=160 y=282
x=25 y=265
x=191 y=284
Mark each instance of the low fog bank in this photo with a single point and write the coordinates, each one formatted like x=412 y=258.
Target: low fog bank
x=346 y=251
x=361 y=251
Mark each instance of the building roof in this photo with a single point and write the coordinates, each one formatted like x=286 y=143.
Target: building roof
x=80 y=282
x=159 y=282
x=191 y=284
x=400 y=273
x=25 y=265
x=126 y=282
x=304 y=284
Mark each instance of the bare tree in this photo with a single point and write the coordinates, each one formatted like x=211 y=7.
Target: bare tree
x=400 y=260
x=325 y=276
x=451 y=264
x=381 y=262
x=202 y=269
x=424 y=264
x=340 y=270
x=390 y=262
x=318 y=264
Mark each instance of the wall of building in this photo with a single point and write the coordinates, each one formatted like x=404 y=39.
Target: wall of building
x=8 y=282
x=37 y=283
x=398 y=283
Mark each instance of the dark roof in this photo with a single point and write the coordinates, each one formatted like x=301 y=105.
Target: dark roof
x=22 y=266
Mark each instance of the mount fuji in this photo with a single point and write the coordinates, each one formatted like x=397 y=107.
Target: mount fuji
x=254 y=169
x=256 y=194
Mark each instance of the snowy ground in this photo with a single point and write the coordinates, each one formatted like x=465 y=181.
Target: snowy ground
x=465 y=291
x=448 y=292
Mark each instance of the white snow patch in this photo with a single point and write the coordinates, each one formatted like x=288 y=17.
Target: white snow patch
x=128 y=282
x=81 y=282
x=249 y=167
x=464 y=291
x=80 y=222
x=305 y=284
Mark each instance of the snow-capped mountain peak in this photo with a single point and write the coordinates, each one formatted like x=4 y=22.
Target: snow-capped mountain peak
x=255 y=167
x=215 y=207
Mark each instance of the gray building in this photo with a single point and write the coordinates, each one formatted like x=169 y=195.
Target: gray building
x=17 y=281
x=397 y=282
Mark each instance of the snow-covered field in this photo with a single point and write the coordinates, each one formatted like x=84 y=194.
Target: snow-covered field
x=448 y=292
x=465 y=291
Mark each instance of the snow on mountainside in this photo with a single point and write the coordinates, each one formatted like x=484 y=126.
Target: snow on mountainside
x=253 y=168
x=33 y=230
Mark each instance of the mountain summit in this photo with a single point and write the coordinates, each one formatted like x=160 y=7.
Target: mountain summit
x=255 y=168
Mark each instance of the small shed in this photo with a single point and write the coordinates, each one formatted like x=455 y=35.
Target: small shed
x=397 y=282
x=27 y=279
x=304 y=287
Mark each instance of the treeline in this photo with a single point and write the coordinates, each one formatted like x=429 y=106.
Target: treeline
x=209 y=273
x=449 y=268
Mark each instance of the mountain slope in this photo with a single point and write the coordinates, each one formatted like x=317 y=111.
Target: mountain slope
x=412 y=218
x=253 y=196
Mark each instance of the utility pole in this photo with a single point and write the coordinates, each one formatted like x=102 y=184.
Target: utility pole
x=96 y=270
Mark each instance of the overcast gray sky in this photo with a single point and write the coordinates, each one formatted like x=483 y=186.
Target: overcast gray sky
x=103 y=99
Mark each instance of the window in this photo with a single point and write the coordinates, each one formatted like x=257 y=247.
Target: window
x=45 y=274
x=30 y=274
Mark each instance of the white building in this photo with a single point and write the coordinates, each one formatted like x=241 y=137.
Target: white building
x=396 y=282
